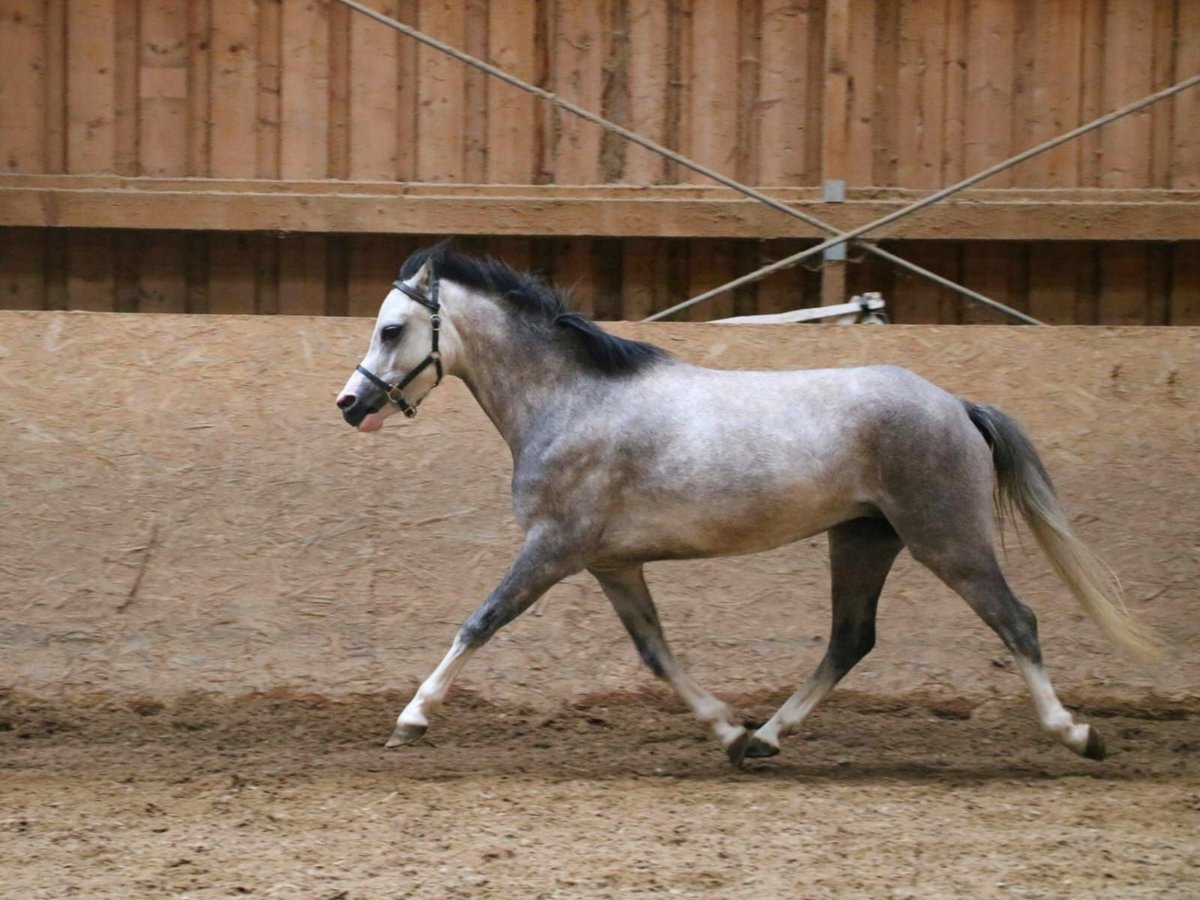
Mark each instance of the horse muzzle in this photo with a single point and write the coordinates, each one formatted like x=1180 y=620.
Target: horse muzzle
x=355 y=408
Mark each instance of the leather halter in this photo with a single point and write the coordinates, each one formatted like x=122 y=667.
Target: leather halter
x=393 y=392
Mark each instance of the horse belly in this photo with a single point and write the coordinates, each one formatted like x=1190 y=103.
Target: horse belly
x=723 y=526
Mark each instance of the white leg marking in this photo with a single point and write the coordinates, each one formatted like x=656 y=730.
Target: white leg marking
x=705 y=706
x=1055 y=719
x=433 y=689
x=796 y=709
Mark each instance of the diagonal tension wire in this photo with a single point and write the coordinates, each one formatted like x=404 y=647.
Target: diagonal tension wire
x=931 y=199
x=681 y=160
x=838 y=237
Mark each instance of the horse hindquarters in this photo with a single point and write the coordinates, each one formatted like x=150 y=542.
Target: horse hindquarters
x=941 y=504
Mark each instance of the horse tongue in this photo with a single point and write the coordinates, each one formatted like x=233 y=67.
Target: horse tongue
x=372 y=422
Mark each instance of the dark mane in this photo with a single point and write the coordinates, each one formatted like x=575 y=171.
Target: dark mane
x=530 y=297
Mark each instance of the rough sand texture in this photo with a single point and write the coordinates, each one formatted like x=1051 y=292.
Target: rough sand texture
x=214 y=597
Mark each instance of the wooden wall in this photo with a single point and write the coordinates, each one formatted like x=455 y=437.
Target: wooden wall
x=1061 y=282
x=881 y=93
x=911 y=93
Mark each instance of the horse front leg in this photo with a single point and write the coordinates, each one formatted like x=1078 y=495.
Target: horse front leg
x=540 y=565
x=626 y=590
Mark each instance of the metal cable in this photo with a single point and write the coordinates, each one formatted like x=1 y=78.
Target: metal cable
x=678 y=158
x=838 y=236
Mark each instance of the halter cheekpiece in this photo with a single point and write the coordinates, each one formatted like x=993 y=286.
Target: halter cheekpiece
x=393 y=392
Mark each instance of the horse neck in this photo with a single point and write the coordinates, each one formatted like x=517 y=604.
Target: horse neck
x=517 y=377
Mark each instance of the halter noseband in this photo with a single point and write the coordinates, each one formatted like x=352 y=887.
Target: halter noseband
x=393 y=392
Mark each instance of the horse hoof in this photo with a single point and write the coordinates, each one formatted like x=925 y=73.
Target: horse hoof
x=1095 y=748
x=760 y=749
x=405 y=735
x=737 y=750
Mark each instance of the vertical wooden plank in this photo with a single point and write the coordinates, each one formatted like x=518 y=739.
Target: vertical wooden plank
x=998 y=270
x=1124 y=281
x=860 y=100
x=955 y=88
x=162 y=276
x=713 y=263
x=1057 y=41
x=990 y=71
x=1059 y=281
x=22 y=263
x=441 y=94
x=337 y=275
x=338 y=138
x=127 y=255
x=515 y=251
x=55 y=267
x=573 y=272
x=234 y=150
x=511 y=129
x=783 y=290
x=835 y=133
x=648 y=70
x=1129 y=74
x=607 y=278
x=1185 y=107
x=91 y=87
x=1091 y=91
x=374 y=71
x=917 y=300
x=90 y=276
x=749 y=56
x=163 y=88
x=22 y=88
x=711 y=118
x=579 y=57
x=374 y=261
x=475 y=111
x=887 y=64
x=302 y=275
x=267 y=130
x=304 y=87
x=231 y=274
x=835 y=136
x=267 y=269
x=643 y=278
x=1185 y=283
x=921 y=92
x=128 y=54
x=55 y=82
x=679 y=61
x=407 y=96
x=197 y=269
x=614 y=99
x=1161 y=114
x=199 y=91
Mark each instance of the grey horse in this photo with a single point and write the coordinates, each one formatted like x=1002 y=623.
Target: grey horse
x=623 y=455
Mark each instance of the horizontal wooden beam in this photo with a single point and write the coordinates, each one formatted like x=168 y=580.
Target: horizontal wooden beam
x=685 y=211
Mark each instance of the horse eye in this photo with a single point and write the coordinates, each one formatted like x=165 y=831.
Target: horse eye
x=390 y=332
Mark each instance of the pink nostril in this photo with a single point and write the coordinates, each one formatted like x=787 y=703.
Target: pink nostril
x=345 y=401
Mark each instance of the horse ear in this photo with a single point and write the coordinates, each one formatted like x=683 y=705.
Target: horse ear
x=424 y=276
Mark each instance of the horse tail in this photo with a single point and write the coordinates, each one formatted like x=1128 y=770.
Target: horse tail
x=1023 y=485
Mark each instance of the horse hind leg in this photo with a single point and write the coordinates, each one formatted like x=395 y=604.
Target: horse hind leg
x=986 y=591
x=861 y=553
x=963 y=558
x=626 y=590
